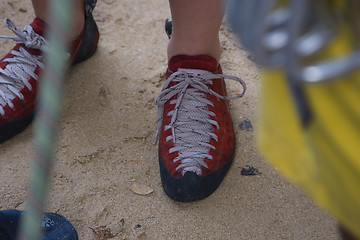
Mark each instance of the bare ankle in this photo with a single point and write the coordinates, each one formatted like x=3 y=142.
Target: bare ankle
x=194 y=48
x=78 y=18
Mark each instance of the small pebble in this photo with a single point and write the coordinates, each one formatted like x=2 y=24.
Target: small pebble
x=141 y=189
x=249 y=171
x=246 y=125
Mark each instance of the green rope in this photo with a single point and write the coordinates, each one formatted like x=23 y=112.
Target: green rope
x=47 y=117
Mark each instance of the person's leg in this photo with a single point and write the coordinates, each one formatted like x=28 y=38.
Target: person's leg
x=21 y=68
x=196 y=134
x=41 y=10
x=196 y=25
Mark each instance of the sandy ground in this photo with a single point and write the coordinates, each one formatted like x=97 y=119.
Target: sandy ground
x=105 y=144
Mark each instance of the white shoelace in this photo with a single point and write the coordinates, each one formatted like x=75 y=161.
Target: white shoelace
x=191 y=125
x=19 y=68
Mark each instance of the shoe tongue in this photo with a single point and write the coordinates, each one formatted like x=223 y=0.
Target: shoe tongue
x=38 y=26
x=202 y=62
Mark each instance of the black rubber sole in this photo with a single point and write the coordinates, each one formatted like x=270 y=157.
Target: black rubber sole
x=54 y=226
x=89 y=43
x=10 y=129
x=191 y=187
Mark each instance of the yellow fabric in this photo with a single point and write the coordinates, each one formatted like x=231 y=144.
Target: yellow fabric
x=324 y=157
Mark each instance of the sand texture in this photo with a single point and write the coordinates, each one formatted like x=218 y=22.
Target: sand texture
x=106 y=171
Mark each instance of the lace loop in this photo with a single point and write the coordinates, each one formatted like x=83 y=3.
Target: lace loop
x=191 y=125
x=27 y=37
